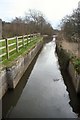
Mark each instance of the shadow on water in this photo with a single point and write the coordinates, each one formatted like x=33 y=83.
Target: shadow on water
x=74 y=98
x=11 y=98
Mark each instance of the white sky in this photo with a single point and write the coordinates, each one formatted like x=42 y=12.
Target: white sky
x=54 y=10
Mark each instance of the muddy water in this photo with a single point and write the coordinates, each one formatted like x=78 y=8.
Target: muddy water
x=43 y=92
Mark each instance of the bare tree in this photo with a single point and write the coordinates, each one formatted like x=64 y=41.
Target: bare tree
x=37 y=22
x=33 y=22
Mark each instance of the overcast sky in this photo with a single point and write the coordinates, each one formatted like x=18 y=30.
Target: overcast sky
x=54 y=10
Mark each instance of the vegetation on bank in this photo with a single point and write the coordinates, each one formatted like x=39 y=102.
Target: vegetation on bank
x=76 y=63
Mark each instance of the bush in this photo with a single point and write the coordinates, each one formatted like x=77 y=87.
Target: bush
x=76 y=62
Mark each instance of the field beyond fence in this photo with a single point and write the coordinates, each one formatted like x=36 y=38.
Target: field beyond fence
x=11 y=46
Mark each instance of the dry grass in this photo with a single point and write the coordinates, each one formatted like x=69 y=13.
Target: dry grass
x=70 y=47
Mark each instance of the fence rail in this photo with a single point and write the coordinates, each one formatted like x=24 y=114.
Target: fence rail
x=9 y=45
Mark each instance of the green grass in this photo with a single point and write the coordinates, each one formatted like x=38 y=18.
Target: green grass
x=24 y=50
x=76 y=63
x=3 y=43
x=12 y=41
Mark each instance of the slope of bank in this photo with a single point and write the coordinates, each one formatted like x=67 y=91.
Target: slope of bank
x=69 y=52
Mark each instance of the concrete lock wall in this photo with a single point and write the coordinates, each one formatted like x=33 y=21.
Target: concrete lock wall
x=67 y=64
x=15 y=72
x=3 y=82
x=75 y=77
x=10 y=76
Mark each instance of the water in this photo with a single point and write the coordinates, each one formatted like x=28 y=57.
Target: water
x=42 y=92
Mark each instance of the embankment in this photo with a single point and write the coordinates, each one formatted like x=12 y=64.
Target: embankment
x=65 y=61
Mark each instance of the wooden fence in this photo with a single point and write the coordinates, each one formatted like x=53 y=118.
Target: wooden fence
x=9 y=46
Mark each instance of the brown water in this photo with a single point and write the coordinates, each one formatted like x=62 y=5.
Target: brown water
x=43 y=91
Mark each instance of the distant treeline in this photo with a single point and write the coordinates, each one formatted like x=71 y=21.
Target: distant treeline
x=33 y=22
x=70 y=26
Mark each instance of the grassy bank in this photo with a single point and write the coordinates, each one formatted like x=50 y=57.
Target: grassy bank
x=22 y=51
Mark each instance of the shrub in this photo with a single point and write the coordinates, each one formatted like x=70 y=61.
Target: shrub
x=76 y=63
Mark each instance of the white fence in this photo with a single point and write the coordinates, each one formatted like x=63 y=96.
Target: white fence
x=12 y=45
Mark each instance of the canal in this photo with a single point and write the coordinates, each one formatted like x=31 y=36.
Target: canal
x=44 y=91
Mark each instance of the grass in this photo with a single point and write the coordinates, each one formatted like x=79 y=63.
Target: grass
x=24 y=50
x=3 y=44
x=76 y=63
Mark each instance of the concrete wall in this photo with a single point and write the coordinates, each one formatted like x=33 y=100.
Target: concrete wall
x=0 y=28
x=75 y=77
x=10 y=77
x=15 y=72
x=65 y=61
x=3 y=82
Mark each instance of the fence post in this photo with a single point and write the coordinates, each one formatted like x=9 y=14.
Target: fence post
x=35 y=36
x=17 y=49
x=27 y=39
x=7 y=48
x=30 y=38
x=23 y=40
